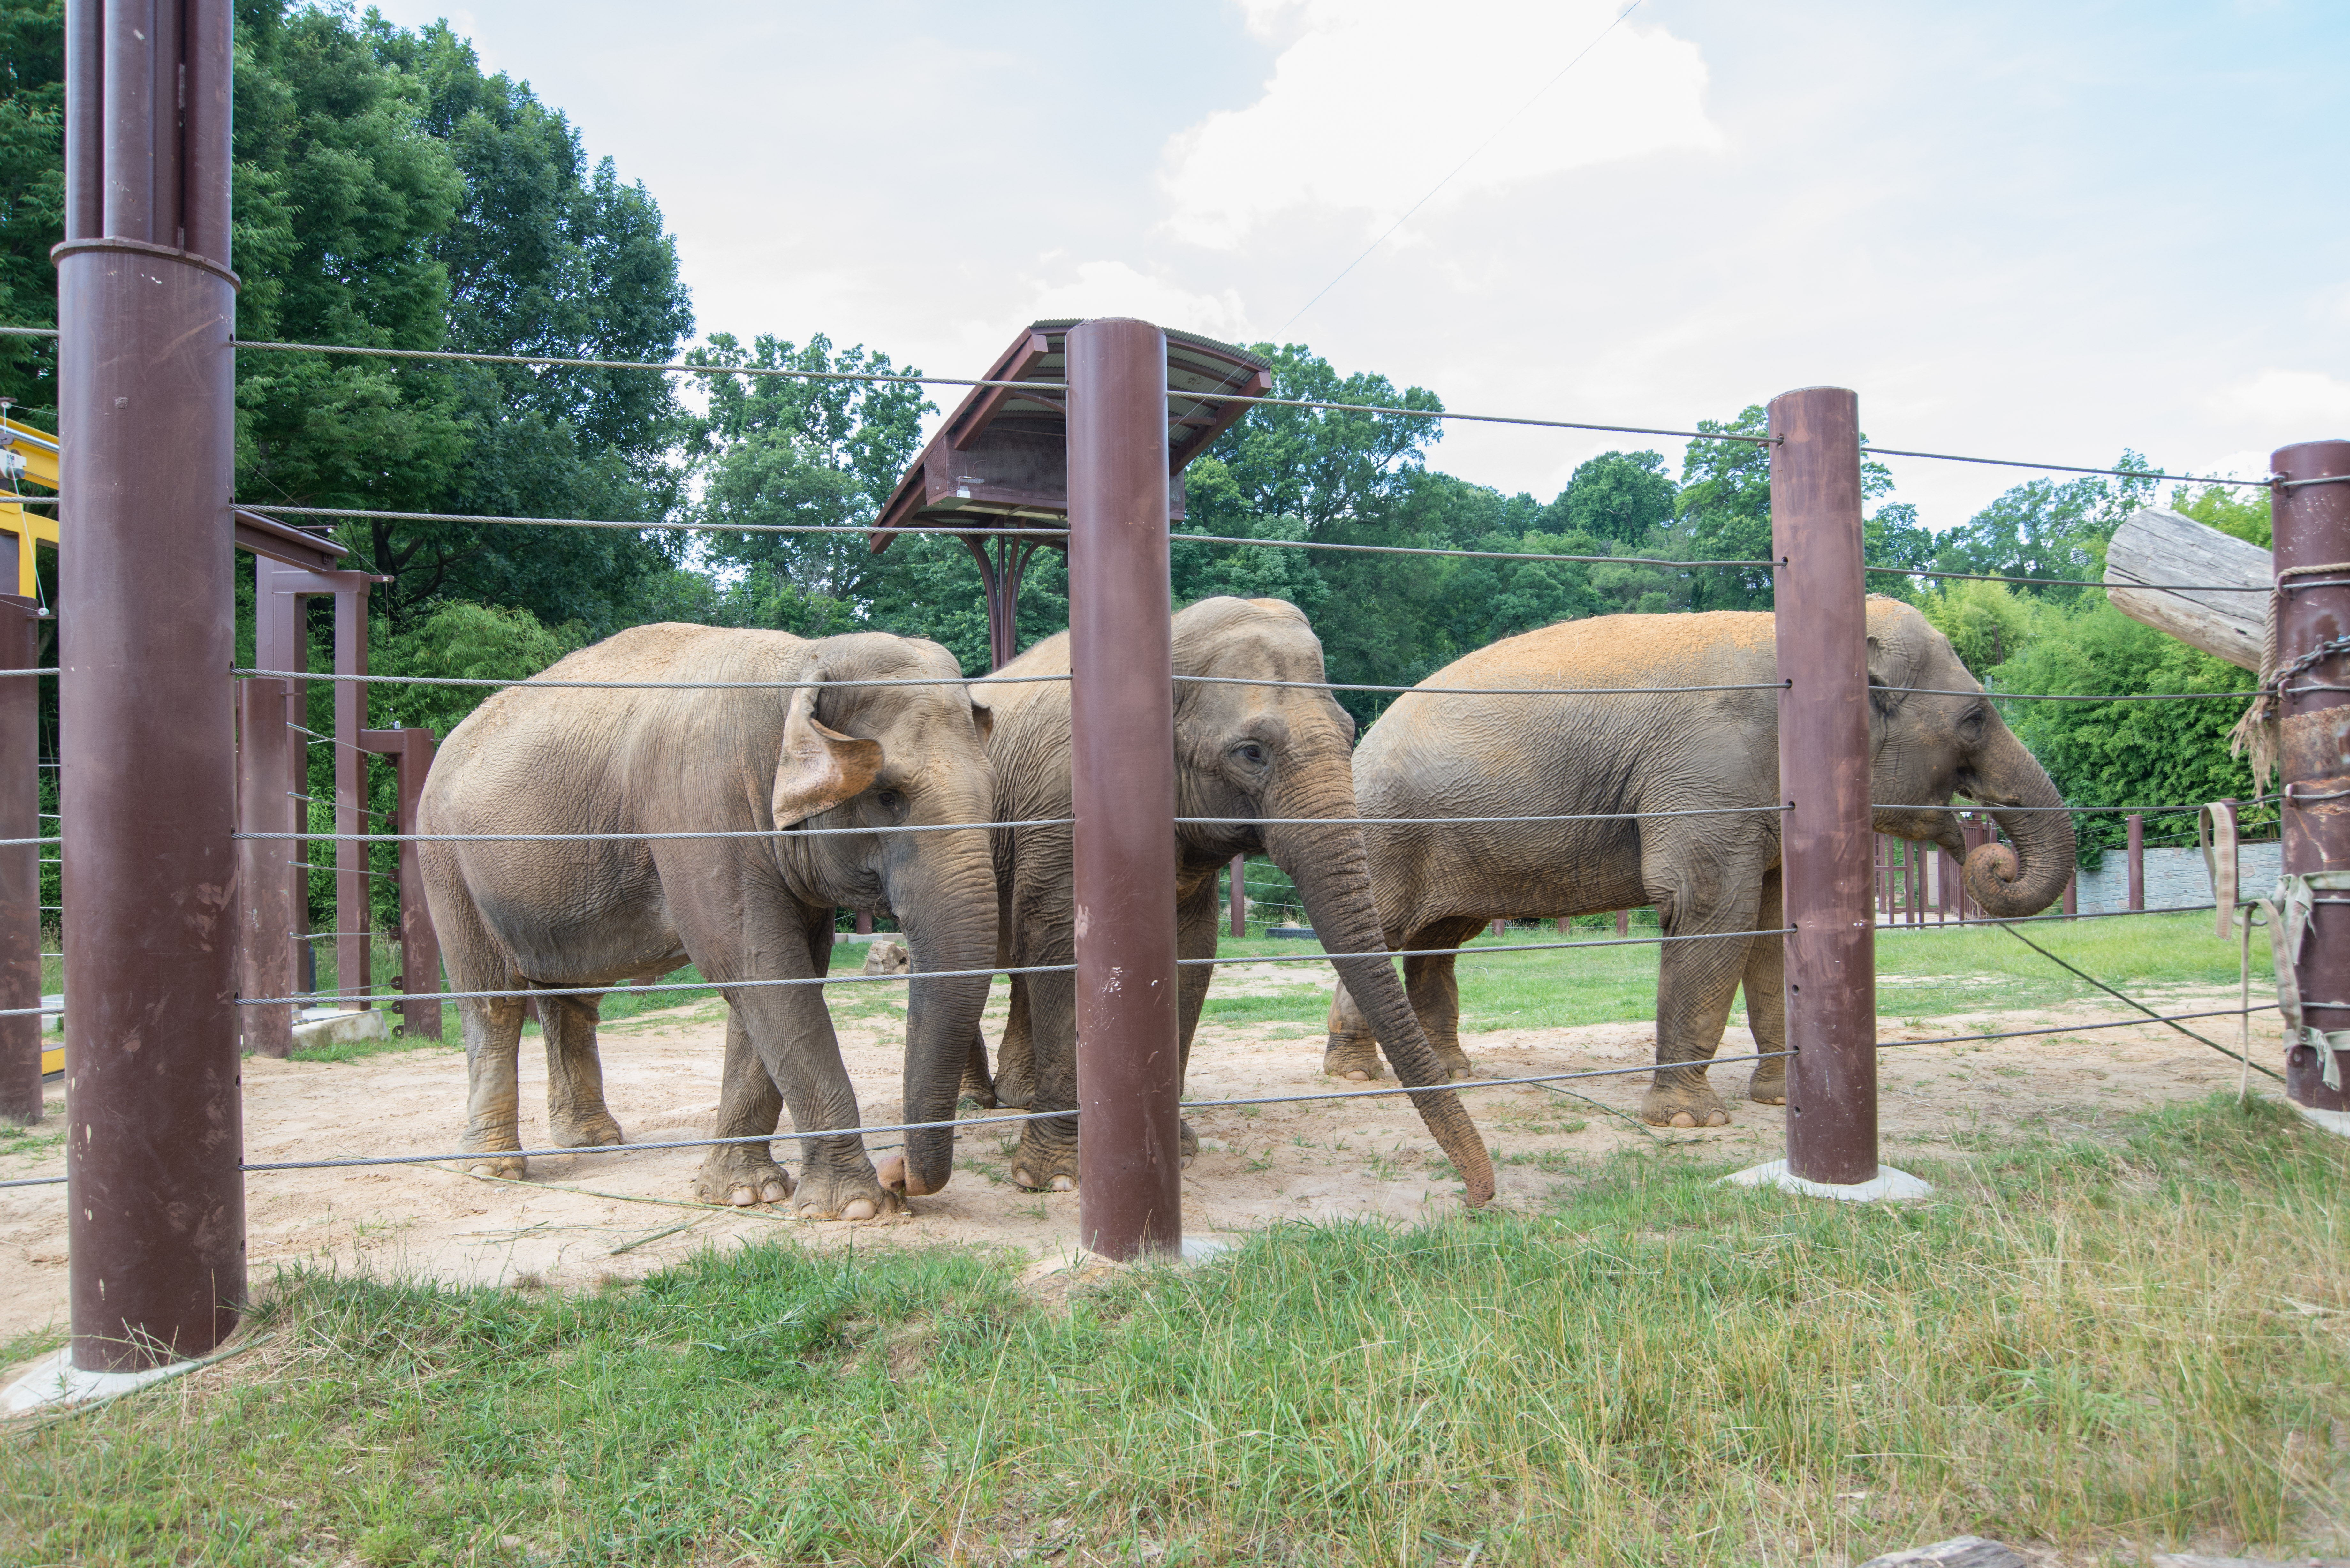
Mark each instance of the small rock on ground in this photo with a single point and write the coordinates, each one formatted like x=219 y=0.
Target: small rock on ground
x=1959 y=1552
x=888 y=958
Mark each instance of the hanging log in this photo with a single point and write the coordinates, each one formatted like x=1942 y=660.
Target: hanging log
x=2156 y=547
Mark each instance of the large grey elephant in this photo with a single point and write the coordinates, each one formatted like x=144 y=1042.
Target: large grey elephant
x=1474 y=755
x=797 y=772
x=1271 y=758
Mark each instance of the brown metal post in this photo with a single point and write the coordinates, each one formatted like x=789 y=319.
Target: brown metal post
x=2136 y=861
x=155 y=1203
x=265 y=964
x=2311 y=524
x=410 y=752
x=1240 y=896
x=2073 y=894
x=1623 y=923
x=1122 y=773
x=281 y=641
x=1823 y=766
x=20 y=864
x=354 y=909
x=864 y=924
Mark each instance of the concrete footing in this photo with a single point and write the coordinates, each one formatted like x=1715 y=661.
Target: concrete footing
x=1890 y=1186
x=56 y=1383
x=2335 y=1122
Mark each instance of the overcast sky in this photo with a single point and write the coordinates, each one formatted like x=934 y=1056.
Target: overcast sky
x=2045 y=231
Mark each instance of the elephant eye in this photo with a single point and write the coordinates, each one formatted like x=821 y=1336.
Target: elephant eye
x=1249 y=751
x=889 y=800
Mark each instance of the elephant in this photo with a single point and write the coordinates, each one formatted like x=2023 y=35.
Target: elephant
x=1269 y=763
x=789 y=774
x=1473 y=755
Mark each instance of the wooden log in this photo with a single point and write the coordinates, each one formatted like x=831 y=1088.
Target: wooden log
x=2155 y=546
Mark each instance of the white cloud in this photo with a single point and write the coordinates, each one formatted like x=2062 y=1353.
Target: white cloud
x=1114 y=288
x=2297 y=405
x=1373 y=101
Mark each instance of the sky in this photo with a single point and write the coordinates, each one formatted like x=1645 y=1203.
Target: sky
x=2038 y=231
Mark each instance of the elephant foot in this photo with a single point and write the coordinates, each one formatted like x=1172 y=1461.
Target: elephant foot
x=1768 y=1086
x=1187 y=1142
x=1353 y=1057
x=978 y=1091
x=741 y=1175
x=892 y=1173
x=593 y=1129
x=491 y=1156
x=1014 y=1088
x=1045 y=1166
x=1455 y=1063
x=1688 y=1103
x=828 y=1194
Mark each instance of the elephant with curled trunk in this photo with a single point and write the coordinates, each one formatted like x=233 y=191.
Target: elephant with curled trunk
x=1474 y=755
x=1272 y=760
x=778 y=748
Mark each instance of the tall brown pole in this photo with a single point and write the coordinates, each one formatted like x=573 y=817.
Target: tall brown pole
x=1824 y=777
x=146 y=398
x=1240 y=896
x=419 y=946
x=20 y=864
x=266 y=965
x=2136 y=861
x=1122 y=773
x=2312 y=523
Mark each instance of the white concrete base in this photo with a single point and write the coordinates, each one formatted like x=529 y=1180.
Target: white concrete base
x=340 y=1025
x=1890 y=1186
x=2335 y=1122
x=56 y=1383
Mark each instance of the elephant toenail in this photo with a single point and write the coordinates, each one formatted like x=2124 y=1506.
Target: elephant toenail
x=775 y=1192
x=1062 y=1184
x=857 y=1209
x=1358 y=1076
x=1683 y=1120
x=1719 y=1120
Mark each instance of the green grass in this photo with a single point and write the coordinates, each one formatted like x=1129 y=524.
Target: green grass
x=2110 y=1346
x=1920 y=974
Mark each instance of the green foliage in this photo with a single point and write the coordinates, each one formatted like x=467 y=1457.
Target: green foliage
x=32 y=197
x=1986 y=622
x=2126 y=754
x=2042 y=528
x=1621 y=496
x=2240 y=509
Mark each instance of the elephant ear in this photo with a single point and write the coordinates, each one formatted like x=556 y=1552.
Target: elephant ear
x=819 y=767
x=983 y=713
x=1895 y=662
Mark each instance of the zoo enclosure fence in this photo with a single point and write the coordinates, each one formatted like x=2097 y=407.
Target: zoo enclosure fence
x=145 y=351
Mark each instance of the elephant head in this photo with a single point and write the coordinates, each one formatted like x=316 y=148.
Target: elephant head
x=1271 y=766
x=1934 y=735
x=898 y=757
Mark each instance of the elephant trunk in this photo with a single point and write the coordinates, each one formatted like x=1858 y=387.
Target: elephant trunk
x=1327 y=862
x=2011 y=883
x=950 y=923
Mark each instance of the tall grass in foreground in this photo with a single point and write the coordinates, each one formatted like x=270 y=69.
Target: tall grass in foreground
x=2107 y=1346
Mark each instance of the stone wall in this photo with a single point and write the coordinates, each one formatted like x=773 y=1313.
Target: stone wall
x=2174 y=876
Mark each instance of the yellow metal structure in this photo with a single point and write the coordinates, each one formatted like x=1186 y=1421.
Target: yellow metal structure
x=53 y=1060
x=27 y=456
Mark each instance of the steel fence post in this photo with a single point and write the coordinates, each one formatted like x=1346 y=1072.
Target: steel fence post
x=2136 y=860
x=146 y=401
x=1122 y=773
x=1240 y=896
x=2311 y=526
x=20 y=864
x=1824 y=768
x=266 y=961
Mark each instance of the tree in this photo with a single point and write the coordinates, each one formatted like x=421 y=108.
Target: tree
x=1617 y=496
x=2042 y=528
x=32 y=198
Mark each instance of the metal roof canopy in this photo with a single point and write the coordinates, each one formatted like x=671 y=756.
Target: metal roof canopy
x=1001 y=460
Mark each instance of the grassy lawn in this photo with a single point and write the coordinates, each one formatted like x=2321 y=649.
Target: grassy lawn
x=1919 y=974
x=2109 y=1345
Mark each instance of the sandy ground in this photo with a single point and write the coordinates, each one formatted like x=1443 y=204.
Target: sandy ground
x=580 y=1219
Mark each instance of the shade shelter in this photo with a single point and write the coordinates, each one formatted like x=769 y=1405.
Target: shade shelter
x=1000 y=463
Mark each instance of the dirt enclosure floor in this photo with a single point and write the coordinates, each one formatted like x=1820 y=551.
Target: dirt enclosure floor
x=580 y=1219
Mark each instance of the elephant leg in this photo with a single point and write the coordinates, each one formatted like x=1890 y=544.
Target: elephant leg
x=1352 y=1050
x=1435 y=992
x=978 y=1085
x=576 y=1113
x=792 y=1031
x=492 y=1031
x=749 y=1106
x=1015 y=1058
x=1765 y=983
x=1048 y=1155
x=1696 y=982
x=1195 y=938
